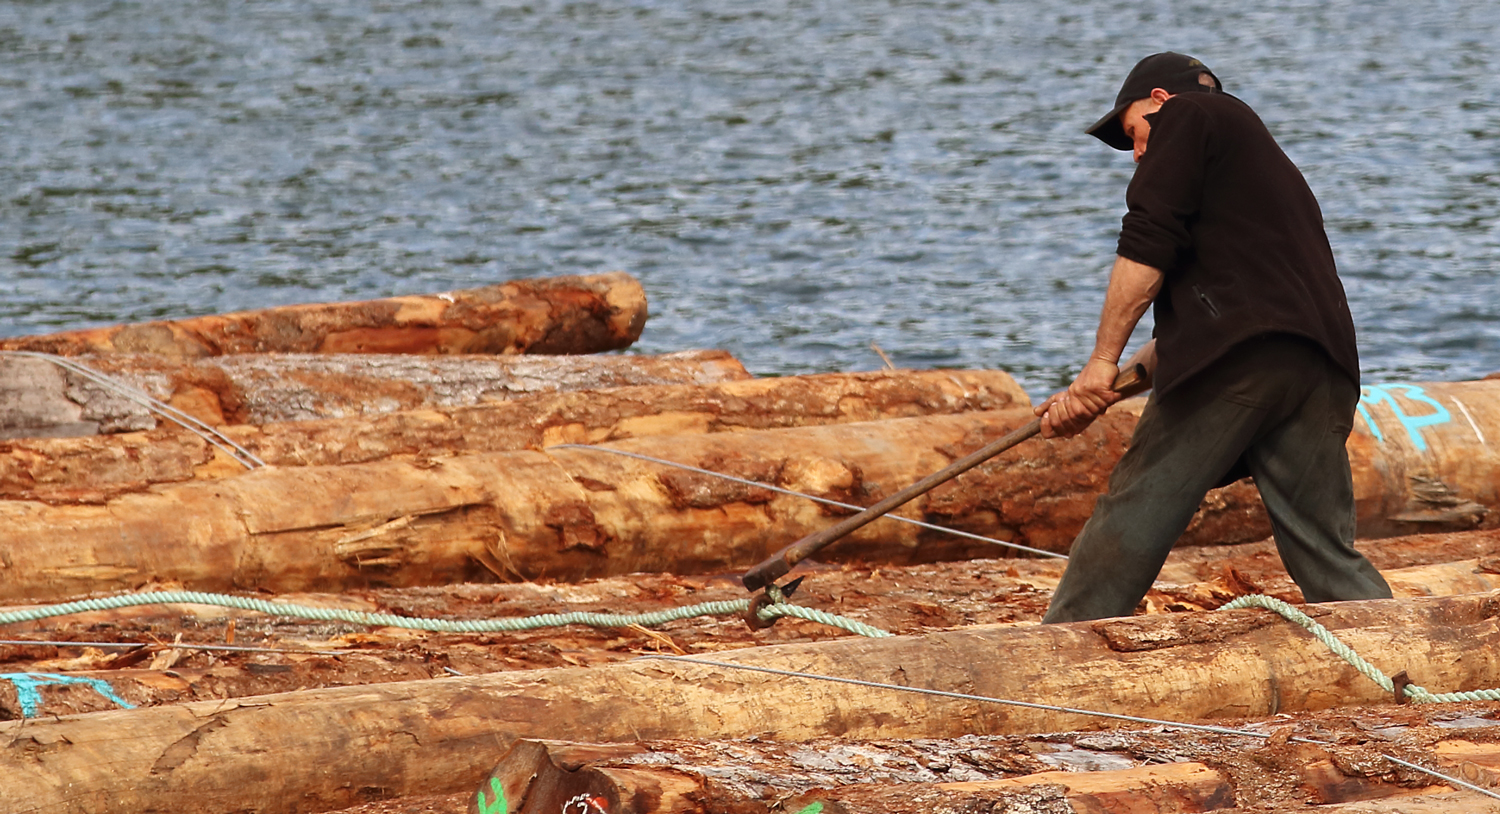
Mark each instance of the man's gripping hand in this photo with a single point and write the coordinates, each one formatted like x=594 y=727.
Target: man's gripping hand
x=1071 y=411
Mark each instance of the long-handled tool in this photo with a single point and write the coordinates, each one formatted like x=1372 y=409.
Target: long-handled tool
x=1134 y=378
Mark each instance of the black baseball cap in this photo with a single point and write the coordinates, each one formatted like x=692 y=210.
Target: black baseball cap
x=1170 y=71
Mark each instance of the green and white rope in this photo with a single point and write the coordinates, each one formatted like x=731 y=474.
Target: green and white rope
x=602 y=620
x=1345 y=652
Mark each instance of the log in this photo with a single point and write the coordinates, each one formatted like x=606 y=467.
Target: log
x=95 y=468
x=324 y=748
x=40 y=399
x=534 y=777
x=578 y=513
x=564 y=513
x=890 y=602
x=556 y=315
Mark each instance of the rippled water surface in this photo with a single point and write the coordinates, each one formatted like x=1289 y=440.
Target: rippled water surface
x=791 y=181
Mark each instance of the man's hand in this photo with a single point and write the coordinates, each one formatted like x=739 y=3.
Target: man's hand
x=1071 y=411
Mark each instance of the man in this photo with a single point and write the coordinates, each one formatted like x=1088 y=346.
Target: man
x=1256 y=367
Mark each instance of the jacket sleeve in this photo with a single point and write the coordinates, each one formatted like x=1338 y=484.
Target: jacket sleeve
x=1165 y=195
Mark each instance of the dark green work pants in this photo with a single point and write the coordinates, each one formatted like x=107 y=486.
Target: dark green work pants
x=1274 y=404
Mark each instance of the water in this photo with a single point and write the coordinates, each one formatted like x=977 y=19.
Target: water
x=791 y=180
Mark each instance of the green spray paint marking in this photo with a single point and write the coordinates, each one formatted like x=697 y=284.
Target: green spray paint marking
x=815 y=808
x=500 y=806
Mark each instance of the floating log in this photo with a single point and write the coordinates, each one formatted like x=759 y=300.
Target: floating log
x=325 y=748
x=576 y=513
x=40 y=399
x=91 y=469
x=557 y=315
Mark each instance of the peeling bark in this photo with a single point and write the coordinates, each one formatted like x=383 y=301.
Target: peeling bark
x=93 y=469
x=556 y=315
x=40 y=399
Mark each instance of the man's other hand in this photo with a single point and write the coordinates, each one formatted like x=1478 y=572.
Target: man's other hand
x=1071 y=411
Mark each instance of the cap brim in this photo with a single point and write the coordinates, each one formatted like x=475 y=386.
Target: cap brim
x=1110 y=131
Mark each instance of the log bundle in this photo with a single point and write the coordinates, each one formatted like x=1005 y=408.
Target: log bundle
x=555 y=315
x=576 y=513
x=319 y=749
x=91 y=469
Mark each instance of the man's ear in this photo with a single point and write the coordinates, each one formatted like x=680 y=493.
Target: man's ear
x=1158 y=95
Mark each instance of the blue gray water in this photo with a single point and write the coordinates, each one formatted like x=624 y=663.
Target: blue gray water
x=792 y=180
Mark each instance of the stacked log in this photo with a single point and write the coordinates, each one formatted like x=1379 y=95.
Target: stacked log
x=329 y=747
x=575 y=513
x=556 y=315
x=566 y=513
x=41 y=399
x=94 y=468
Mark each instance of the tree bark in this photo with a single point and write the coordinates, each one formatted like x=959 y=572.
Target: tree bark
x=95 y=468
x=577 y=513
x=556 y=315
x=42 y=400
x=324 y=748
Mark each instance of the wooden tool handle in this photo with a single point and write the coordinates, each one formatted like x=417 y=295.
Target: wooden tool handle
x=1133 y=379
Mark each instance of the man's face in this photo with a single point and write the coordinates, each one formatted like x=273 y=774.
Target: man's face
x=1133 y=120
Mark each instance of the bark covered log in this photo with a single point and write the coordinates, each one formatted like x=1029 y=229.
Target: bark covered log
x=557 y=315
x=40 y=399
x=94 y=468
x=323 y=748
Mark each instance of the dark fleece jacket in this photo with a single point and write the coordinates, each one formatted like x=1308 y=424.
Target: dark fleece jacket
x=1225 y=215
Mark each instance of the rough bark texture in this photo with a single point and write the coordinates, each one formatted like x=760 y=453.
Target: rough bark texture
x=321 y=748
x=94 y=468
x=576 y=513
x=571 y=314
x=40 y=399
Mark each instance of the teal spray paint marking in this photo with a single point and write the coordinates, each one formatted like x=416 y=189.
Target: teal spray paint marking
x=28 y=689
x=499 y=806
x=815 y=808
x=1375 y=394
